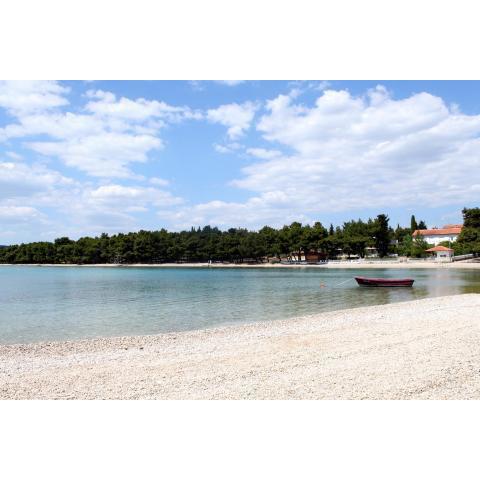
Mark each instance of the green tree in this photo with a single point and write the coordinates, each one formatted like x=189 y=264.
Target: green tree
x=419 y=245
x=382 y=235
x=269 y=239
x=422 y=225
x=413 y=224
x=469 y=239
x=471 y=217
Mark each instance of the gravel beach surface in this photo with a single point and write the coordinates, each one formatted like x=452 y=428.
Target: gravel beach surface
x=424 y=349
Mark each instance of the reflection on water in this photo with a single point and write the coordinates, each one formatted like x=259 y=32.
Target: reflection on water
x=47 y=303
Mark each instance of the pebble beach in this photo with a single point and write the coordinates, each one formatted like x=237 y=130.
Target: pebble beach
x=422 y=349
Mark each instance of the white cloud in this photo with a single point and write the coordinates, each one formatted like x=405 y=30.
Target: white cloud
x=221 y=148
x=237 y=117
x=106 y=104
x=263 y=153
x=346 y=153
x=19 y=180
x=271 y=209
x=80 y=208
x=15 y=214
x=18 y=218
x=132 y=196
x=197 y=85
x=61 y=126
x=103 y=141
x=112 y=208
x=320 y=86
x=14 y=156
x=103 y=155
x=227 y=148
x=161 y=182
x=230 y=83
x=21 y=97
x=351 y=153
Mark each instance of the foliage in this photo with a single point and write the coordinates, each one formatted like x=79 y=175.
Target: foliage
x=239 y=245
x=422 y=225
x=382 y=235
x=471 y=218
x=469 y=239
x=413 y=224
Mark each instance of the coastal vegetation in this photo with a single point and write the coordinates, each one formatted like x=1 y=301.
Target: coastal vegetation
x=353 y=238
x=469 y=239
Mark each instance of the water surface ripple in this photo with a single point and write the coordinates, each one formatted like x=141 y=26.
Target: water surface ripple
x=60 y=303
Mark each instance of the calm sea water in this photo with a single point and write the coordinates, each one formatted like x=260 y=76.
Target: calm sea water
x=55 y=303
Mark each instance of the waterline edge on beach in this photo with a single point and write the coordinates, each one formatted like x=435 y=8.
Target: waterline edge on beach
x=419 y=349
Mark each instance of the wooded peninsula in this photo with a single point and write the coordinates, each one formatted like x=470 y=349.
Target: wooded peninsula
x=239 y=245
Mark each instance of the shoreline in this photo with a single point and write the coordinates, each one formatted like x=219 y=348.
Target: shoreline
x=347 y=265
x=418 y=349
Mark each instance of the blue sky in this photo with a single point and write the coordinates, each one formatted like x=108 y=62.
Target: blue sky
x=82 y=158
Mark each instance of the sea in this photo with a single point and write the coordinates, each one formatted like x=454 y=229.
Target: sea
x=48 y=303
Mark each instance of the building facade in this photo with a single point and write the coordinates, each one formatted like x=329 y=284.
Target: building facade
x=441 y=253
x=434 y=236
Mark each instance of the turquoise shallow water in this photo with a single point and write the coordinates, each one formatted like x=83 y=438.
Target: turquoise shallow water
x=58 y=303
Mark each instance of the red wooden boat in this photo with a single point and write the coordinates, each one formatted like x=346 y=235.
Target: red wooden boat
x=384 y=282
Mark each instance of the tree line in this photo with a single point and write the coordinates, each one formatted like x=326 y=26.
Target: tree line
x=236 y=245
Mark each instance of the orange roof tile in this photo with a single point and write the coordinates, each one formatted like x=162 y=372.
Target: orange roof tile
x=438 y=231
x=439 y=248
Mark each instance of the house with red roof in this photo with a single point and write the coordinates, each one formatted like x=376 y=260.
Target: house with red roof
x=443 y=254
x=448 y=233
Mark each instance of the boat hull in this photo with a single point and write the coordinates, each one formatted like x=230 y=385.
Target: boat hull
x=384 y=282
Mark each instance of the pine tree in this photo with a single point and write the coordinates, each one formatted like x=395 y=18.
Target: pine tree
x=422 y=225
x=382 y=235
x=413 y=224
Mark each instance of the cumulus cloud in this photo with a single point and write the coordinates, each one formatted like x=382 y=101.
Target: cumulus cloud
x=132 y=196
x=271 y=209
x=107 y=104
x=236 y=117
x=16 y=215
x=105 y=155
x=221 y=148
x=80 y=208
x=102 y=140
x=401 y=152
x=263 y=153
x=161 y=182
x=13 y=155
x=113 y=207
x=19 y=180
x=341 y=152
x=227 y=148
x=351 y=153
x=230 y=83
x=21 y=97
x=24 y=191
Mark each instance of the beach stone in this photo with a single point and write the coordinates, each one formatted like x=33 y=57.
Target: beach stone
x=422 y=349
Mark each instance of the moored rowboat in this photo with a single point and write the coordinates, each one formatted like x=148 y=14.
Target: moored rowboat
x=384 y=282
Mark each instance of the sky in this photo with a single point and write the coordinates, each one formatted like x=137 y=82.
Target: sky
x=86 y=157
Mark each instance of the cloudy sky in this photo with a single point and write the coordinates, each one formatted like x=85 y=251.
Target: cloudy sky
x=82 y=158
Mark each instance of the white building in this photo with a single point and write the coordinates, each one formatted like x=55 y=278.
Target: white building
x=443 y=254
x=448 y=233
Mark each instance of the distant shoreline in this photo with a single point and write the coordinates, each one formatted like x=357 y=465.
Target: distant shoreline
x=347 y=265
